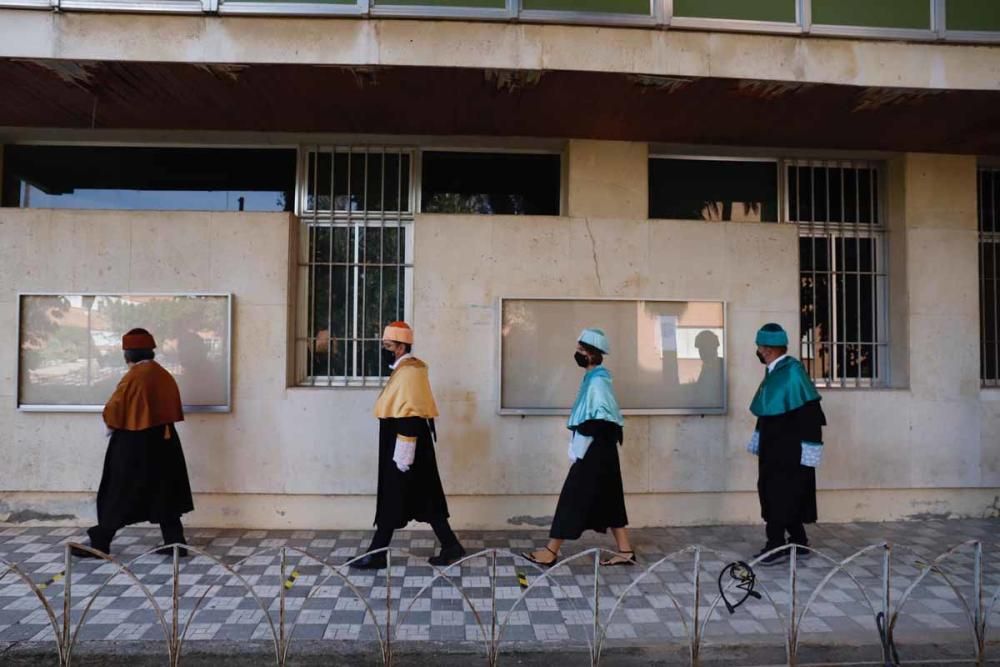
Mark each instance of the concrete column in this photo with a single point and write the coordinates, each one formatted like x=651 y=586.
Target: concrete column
x=607 y=179
x=941 y=239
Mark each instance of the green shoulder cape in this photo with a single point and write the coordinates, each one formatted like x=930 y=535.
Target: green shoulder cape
x=784 y=389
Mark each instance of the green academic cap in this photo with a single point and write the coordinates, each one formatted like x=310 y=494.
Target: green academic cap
x=595 y=338
x=772 y=335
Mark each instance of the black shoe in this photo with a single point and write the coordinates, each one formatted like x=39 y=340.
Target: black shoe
x=447 y=556
x=370 y=562
x=802 y=553
x=776 y=558
x=169 y=551
x=77 y=552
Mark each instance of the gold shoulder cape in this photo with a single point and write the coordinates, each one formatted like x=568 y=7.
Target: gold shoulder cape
x=408 y=393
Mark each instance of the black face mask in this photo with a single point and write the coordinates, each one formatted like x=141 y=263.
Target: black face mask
x=581 y=359
x=761 y=357
x=388 y=357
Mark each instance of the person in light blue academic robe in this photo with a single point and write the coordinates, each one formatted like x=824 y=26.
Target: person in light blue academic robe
x=592 y=496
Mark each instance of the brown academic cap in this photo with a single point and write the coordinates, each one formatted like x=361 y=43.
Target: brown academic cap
x=138 y=339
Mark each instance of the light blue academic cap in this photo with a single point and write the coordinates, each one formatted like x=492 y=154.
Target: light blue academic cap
x=595 y=338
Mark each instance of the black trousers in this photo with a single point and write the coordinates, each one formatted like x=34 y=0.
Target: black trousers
x=776 y=534
x=101 y=536
x=442 y=530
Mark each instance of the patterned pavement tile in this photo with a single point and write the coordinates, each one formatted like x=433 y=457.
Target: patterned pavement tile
x=558 y=608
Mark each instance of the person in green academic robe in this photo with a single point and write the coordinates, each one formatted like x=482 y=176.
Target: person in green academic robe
x=788 y=443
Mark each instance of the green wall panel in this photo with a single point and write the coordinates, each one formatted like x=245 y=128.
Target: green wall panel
x=873 y=13
x=752 y=10
x=640 y=7
x=473 y=4
x=972 y=15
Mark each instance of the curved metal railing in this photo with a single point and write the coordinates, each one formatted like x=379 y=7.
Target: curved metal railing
x=694 y=617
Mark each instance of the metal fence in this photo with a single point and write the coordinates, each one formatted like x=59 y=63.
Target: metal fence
x=733 y=584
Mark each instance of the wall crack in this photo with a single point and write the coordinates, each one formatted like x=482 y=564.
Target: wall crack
x=593 y=251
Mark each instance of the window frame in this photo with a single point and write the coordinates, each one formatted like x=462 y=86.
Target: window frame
x=113 y=143
x=309 y=219
x=991 y=240
x=831 y=231
x=417 y=183
x=779 y=208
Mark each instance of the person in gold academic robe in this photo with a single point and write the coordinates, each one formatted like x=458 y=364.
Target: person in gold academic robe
x=409 y=486
x=145 y=476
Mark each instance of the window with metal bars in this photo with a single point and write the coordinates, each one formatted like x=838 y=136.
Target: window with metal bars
x=988 y=192
x=355 y=260
x=842 y=270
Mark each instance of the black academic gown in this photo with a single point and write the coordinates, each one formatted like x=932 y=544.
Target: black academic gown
x=787 y=489
x=145 y=479
x=414 y=495
x=592 y=496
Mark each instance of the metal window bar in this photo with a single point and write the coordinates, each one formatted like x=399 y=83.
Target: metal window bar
x=988 y=198
x=840 y=347
x=344 y=273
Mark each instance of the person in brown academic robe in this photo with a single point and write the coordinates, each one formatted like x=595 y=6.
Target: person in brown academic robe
x=409 y=485
x=145 y=476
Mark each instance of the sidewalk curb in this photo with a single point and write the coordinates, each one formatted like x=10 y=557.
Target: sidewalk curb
x=313 y=653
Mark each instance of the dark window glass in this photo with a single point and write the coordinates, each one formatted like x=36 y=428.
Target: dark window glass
x=841 y=276
x=989 y=275
x=357 y=283
x=833 y=194
x=491 y=183
x=722 y=190
x=150 y=178
x=369 y=180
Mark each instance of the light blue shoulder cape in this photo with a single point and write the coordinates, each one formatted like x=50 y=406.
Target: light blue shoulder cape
x=596 y=400
x=784 y=389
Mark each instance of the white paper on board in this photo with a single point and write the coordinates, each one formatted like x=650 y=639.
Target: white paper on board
x=667 y=341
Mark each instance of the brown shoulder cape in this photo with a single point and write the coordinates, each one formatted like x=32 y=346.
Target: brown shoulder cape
x=146 y=397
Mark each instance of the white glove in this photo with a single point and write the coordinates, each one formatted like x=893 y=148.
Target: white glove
x=406 y=450
x=812 y=454
x=754 y=445
x=578 y=446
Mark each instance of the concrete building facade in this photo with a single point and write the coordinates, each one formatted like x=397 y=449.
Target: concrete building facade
x=916 y=434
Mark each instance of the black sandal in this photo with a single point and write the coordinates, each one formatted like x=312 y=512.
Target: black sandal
x=630 y=560
x=531 y=559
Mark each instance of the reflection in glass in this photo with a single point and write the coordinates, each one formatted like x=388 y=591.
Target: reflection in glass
x=491 y=183
x=666 y=355
x=70 y=346
x=357 y=288
x=716 y=190
x=149 y=178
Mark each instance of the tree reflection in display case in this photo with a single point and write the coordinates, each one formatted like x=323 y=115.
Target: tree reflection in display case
x=70 y=356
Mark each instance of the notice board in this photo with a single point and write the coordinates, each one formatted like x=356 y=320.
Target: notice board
x=70 y=356
x=667 y=357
